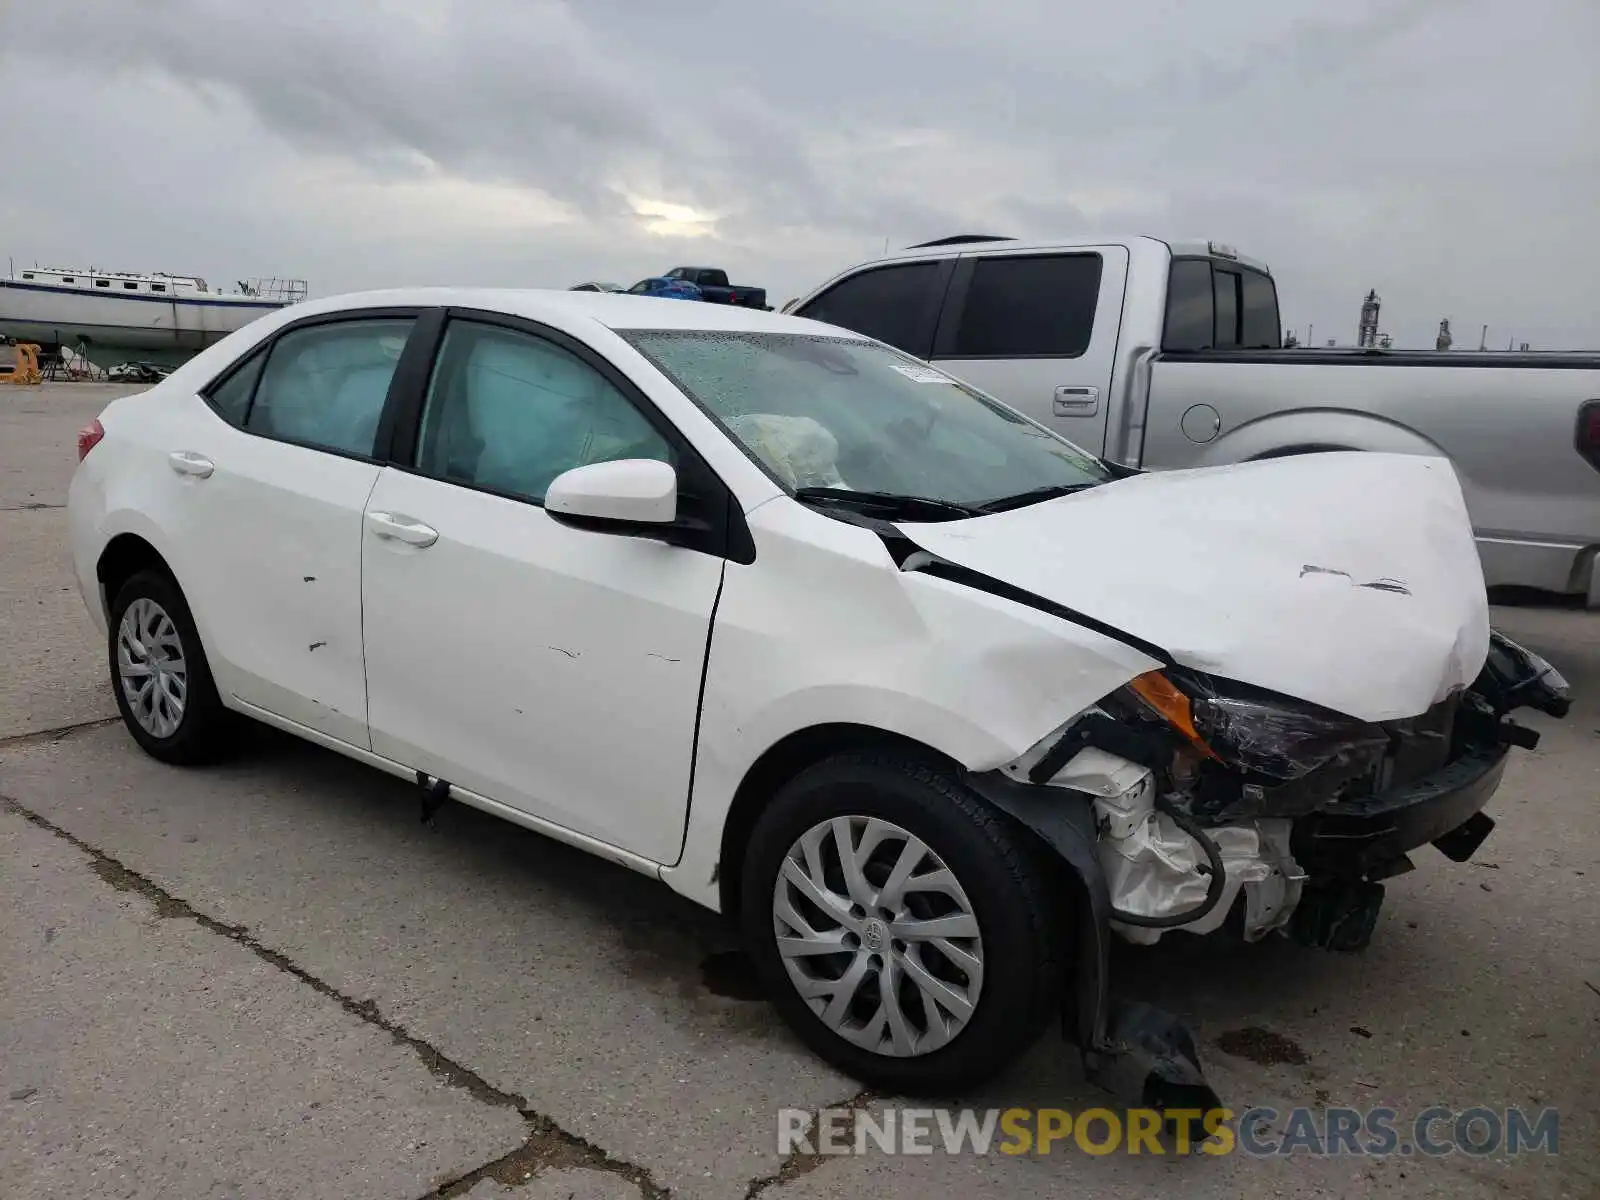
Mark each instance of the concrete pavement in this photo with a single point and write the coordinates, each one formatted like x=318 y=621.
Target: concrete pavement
x=267 y=977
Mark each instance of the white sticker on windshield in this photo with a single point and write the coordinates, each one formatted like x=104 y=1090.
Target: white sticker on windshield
x=922 y=374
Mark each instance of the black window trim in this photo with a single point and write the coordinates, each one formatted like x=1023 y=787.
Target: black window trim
x=264 y=348
x=955 y=303
x=927 y=324
x=723 y=534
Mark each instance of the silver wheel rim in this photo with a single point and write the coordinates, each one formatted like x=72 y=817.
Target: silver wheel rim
x=878 y=936
x=151 y=668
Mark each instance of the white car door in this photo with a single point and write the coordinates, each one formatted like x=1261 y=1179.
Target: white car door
x=266 y=507
x=554 y=669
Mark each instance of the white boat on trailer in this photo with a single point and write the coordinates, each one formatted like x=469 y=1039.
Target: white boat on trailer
x=104 y=315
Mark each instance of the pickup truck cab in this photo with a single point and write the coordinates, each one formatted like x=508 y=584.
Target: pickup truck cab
x=1156 y=355
x=714 y=286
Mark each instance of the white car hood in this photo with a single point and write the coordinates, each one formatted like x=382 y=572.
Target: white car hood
x=1350 y=580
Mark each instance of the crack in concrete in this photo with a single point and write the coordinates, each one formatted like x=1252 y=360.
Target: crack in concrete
x=799 y=1161
x=28 y=506
x=547 y=1144
x=56 y=734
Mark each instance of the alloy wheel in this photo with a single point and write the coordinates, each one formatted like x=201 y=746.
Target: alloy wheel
x=878 y=936
x=151 y=668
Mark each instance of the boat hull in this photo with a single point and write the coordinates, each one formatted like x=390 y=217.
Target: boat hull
x=108 y=328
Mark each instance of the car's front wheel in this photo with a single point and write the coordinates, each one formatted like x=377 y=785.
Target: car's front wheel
x=160 y=674
x=907 y=931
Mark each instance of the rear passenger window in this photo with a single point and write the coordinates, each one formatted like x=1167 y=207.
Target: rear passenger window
x=325 y=385
x=1191 y=306
x=508 y=412
x=231 y=397
x=1031 y=307
x=897 y=305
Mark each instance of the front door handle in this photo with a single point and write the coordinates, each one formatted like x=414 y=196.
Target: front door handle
x=187 y=462
x=396 y=528
x=1077 y=401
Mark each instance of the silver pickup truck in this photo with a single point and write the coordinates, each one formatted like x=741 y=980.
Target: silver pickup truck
x=1162 y=354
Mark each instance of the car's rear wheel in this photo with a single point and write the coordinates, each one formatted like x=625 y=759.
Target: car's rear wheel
x=160 y=674
x=906 y=930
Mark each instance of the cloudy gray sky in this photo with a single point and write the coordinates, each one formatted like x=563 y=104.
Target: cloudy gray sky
x=1445 y=152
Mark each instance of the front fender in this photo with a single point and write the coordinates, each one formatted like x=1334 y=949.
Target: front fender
x=811 y=636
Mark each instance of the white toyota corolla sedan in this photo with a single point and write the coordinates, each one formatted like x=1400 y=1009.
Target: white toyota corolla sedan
x=928 y=699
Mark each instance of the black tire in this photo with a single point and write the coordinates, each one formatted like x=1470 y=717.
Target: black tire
x=1010 y=886
x=204 y=732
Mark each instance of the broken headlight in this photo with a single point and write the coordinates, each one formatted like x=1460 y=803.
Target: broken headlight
x=1515 y=677
x=1255 y=730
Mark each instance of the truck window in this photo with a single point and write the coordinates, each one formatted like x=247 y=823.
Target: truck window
x=1259 y=327
x=1190 y=306
x=897 y=305
x=1225 y=287
x=1029 y=307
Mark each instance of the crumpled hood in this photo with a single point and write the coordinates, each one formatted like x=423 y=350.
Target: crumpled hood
x=1350 y=580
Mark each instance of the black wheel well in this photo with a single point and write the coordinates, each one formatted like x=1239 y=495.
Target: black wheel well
x=1309 y=448
x=781 y=763
x=125 y=556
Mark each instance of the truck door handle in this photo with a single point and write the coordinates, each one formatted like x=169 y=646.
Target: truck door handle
x=187 y=462
x=392 y=527
x=1077 y=401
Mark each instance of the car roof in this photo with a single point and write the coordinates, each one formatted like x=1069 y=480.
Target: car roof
x=976 y=245
x=610 y=310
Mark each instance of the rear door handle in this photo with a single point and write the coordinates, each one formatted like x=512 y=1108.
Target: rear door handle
x=396 y=528
x=1077 y=401
x=187 y=462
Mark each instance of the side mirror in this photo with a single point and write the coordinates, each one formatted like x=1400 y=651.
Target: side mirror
x=622 y=494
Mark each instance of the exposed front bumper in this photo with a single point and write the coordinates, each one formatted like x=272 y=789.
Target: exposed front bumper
x=1367 y=836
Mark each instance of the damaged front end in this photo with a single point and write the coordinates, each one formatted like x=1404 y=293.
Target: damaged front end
x=1203 y=802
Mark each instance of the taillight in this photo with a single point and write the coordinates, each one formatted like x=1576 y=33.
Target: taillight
x=1588 y=439
x=89 y=437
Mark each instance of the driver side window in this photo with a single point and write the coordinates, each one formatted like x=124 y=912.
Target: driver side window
x=507 y=412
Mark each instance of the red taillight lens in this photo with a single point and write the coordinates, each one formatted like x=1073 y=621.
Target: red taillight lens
x=1588 y=439
x=89 y=437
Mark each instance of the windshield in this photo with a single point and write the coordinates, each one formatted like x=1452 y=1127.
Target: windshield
x=854 y=417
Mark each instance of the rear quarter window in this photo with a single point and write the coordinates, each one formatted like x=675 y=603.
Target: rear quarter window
x=230 y=396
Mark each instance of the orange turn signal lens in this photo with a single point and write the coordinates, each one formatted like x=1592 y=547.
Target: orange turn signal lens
x=1156 y=690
